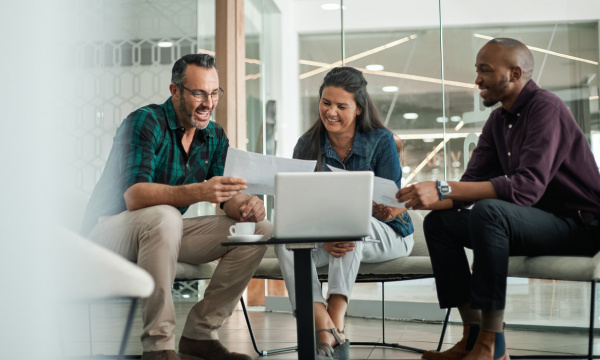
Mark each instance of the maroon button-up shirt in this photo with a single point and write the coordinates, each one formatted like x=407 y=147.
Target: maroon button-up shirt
x=536 y=155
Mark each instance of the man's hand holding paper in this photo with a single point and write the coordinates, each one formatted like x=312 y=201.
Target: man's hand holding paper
x=259 y=170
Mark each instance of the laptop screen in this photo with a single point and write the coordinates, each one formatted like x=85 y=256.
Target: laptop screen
x=323 y=204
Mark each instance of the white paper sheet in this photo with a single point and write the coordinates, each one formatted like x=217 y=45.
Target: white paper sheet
x=384 y=190
x=259 y=170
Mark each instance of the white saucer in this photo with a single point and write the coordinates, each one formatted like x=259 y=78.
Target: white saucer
x=245 y=237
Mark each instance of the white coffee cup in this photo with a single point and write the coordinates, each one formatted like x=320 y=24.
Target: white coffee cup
x=242 y=228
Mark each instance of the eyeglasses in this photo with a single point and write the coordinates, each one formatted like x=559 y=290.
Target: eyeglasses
x=201 y=96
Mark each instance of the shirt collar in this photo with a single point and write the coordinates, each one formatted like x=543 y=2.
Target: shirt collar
x=172 y=120
x=359 y=145
x=523 y=99
x=174 y=123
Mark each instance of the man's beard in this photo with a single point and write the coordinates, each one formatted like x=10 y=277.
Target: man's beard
x=188 y=117
x=490 y=103
x=501 y=87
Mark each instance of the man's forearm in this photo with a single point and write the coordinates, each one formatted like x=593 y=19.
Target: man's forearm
x=143 y=195
x=232 y=206
x=465 y=191
x=472 y=191
x=441 y=205
x=427 y=195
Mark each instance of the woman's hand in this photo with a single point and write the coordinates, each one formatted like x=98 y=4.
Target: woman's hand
x=386 y=213
x=339 y=249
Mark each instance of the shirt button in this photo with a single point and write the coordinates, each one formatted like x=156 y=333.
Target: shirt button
x=206 y=161
x=509 y=153
x=518 y=114
x=510 y=126
x=187 y=165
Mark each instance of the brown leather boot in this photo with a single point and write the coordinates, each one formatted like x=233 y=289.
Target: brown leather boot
x=489 y=346
x=160 y=355
x=190 y=349
x=458 y=351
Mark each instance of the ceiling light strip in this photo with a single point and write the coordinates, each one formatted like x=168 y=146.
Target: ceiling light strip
x=533 y=48
x=419 y=78
x=313 y=63
x=326 y=67
x=421 y=136
x=253 y=76
x=425 y=161
x=319 y=70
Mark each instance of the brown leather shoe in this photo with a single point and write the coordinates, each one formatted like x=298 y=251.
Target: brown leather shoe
x=460 y=349
x=160 y=355
x=206 y=350
x=489 y=346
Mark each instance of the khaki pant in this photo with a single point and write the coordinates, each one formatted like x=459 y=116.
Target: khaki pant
x=157 y=238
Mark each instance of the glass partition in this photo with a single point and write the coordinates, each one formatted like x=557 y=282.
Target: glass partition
x=401 y=57
x=261 y=17
x=125 y=64
x=439 y=114
x=565 y=52
x=402 y=66
x=566 y=63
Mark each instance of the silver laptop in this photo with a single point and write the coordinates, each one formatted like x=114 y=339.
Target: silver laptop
x=323 y=204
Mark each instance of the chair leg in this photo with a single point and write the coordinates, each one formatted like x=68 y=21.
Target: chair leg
x=128 y=325
x=592 y=311
x=383 y=342
x=90 y=327
x=258 y=351
x=444 y=329
x=383 y=312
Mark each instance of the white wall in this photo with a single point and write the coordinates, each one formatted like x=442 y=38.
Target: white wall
x=288 y=121
x=410 y=14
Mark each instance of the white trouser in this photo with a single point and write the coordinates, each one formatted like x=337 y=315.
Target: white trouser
x=342 y=271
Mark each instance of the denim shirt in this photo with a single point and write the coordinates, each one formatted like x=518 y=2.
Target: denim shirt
x=371 y=151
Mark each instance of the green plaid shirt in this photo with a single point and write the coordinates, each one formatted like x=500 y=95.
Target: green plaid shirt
x=148 y=148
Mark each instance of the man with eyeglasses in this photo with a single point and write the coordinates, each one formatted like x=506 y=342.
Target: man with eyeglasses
x=165 y=158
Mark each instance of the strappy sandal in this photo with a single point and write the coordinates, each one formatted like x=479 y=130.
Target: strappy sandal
x=326 y=352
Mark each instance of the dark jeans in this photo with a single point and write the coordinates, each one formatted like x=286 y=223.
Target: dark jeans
x=495 y=230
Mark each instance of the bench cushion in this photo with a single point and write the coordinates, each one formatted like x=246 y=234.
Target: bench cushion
x=415 y=266
x=570 y=268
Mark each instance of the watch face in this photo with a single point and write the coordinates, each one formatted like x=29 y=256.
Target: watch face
x=445 y=189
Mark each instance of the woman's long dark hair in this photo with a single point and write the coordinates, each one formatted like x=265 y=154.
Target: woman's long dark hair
x=352 y=81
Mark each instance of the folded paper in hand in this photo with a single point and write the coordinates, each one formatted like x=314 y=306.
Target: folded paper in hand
x=384 y=191
x=259 y=170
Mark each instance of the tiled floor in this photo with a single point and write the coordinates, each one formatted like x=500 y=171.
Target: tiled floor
x=532 y=307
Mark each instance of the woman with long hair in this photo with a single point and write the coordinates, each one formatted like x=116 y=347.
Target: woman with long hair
x=349 y=134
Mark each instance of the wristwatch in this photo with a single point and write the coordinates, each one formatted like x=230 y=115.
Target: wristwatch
x=444 y=189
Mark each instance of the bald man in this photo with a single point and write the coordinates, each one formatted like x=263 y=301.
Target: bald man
x=535 y=188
